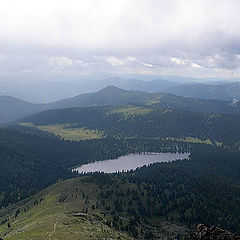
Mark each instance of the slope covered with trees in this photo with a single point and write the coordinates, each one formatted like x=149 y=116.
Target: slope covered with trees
x=161 y=200
x=205 y=188
x=142 y=121
x=31 y=161
x=13 y=108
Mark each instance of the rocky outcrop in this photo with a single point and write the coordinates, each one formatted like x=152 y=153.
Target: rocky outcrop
x=205 y=232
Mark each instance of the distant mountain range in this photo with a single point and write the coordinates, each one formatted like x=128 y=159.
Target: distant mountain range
x=46 y=89
x=219 y=91
x=51 y=91
x=110 y=95
x=12 y=109
x=226 y=91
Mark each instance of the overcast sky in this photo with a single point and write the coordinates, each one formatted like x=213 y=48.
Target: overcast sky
x=198 y=38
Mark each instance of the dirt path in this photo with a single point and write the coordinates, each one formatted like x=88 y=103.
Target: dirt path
x=54 y=228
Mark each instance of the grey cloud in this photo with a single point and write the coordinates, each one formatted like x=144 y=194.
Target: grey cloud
x=143 y=36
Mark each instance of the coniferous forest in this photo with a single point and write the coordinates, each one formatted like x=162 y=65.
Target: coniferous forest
x=202 y=189
x=120 y=120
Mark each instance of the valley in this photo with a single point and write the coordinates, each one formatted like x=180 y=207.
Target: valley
x=120 y=120
x=41 y=197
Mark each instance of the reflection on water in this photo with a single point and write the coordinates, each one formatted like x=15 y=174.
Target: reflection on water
x=130 y=162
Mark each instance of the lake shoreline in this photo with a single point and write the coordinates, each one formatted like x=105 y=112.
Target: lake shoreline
x=130 y=162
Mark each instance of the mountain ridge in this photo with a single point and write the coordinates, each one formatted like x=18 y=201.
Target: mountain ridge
x=13 y=108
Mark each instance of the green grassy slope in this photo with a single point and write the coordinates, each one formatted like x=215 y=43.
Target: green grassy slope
x=68 y=131
x=47 y=216
x=72 y=210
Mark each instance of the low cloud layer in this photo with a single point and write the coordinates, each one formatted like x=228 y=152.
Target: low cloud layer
x=181 y=37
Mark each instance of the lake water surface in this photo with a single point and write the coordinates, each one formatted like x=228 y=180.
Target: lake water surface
x=130 y=162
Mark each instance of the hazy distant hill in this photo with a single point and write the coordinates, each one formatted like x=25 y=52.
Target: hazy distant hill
x=197 y=105
x=112 y=95
x=108 y=96
x=158 y=85
x=12 y=109
x=51 y=88
x=226 y=91
x=46 y=89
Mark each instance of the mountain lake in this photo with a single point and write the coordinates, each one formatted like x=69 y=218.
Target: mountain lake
x=130 y=162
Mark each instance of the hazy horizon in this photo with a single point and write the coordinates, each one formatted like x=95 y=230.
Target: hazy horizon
x=46 y=89
x=58 y=49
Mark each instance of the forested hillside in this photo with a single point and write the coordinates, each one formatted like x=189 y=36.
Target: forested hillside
x=202 y=189
x=142 y=121
x=196 y=104
x=31 y=161
x=120 y=120
x=42 y=149
x=13 y=109
x=162 y=200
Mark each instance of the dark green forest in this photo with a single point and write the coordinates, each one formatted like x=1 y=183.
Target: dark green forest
x=29 y=163
x=202 y=189
x=126 y=121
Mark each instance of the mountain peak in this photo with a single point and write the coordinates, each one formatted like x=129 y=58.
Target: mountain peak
x=111 y=89
x=10 y=99
x=115 y=90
